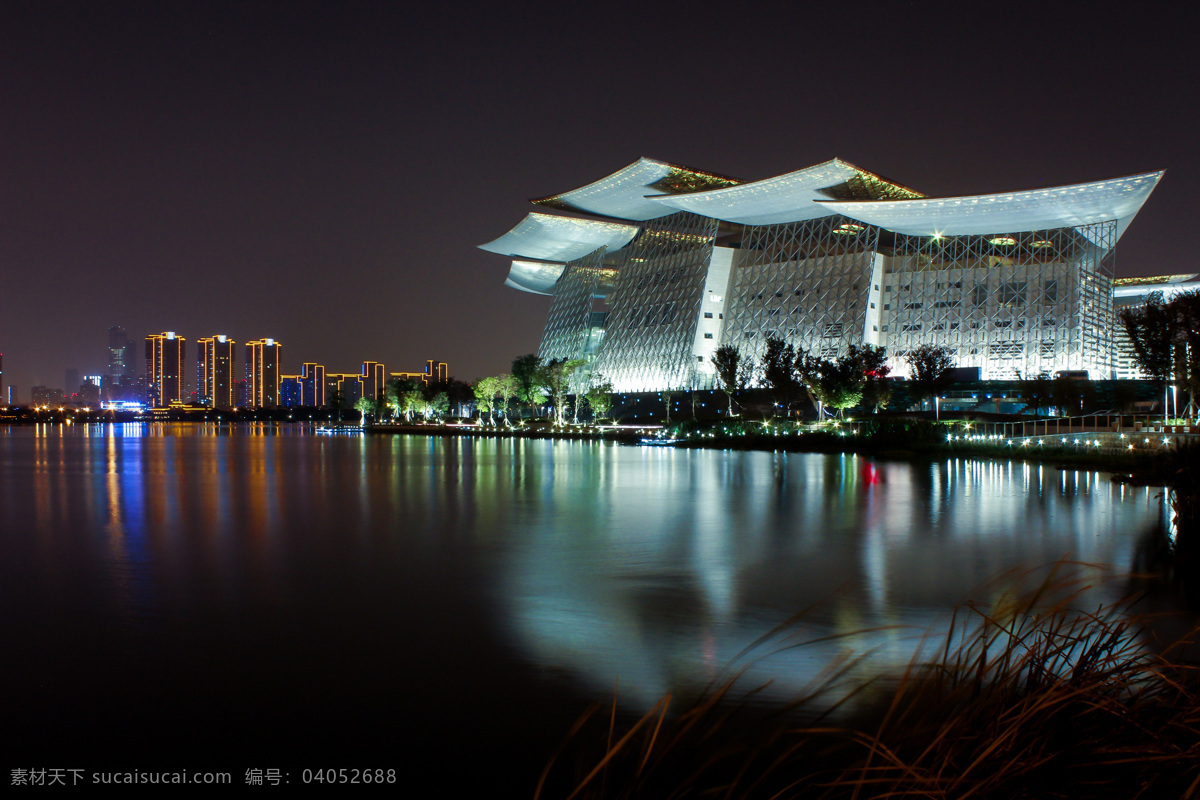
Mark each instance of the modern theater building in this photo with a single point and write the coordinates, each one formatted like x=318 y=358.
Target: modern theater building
x=652 y=268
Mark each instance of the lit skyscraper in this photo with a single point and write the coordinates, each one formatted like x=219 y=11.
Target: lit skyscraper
x=312 y=384
x=262 y=372
x=374 y=378
x=164 y=368
x=214 y=371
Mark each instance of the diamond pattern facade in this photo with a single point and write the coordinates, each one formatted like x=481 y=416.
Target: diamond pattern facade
x=802 y=259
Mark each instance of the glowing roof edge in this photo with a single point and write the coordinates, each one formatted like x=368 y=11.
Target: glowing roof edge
x=1075 y=205
x=549 y=237
x=535 y=277
x=623 y=194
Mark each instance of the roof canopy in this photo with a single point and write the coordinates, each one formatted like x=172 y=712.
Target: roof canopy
x=537 y=277
x=1037 y=209
x=547 y=237
x=623 y=194
x=789 y=198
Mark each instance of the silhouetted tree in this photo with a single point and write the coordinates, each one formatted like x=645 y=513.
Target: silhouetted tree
x=727 y=361
x=930 y=365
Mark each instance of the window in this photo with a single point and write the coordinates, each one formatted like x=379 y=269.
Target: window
x=979 y=296
x=887 y=306
x=872 y=305
x=708 y=315
x=708 y=336
x=833 y=329
x=913 y=305
x=1012 y=294
x=1050 y=295
x=911 y=328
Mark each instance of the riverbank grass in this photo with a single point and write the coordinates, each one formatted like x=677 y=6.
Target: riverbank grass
x=1030 y=703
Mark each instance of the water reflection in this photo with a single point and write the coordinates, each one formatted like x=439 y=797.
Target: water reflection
x=191 y=543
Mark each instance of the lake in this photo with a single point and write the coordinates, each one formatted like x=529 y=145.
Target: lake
x=259 y=596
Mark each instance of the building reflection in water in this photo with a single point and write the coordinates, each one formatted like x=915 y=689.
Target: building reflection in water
x=654 y=565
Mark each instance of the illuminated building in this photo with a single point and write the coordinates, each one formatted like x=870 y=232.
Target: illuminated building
x=289 y=391
x=1132 y=292
x=164 y=368
x=312 y=384
x=348 y=387
x=374 y=380
x=214 y=371
x=435 y=372
x=262 y=372
x=2 y=397
x=672 y=263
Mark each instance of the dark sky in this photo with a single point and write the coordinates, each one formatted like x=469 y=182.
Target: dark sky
x=321 y=172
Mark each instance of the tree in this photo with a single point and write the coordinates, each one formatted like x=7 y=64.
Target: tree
x=599 y=397
x=876 y=392
x=527 y=372
x=485 y=391
x=727 y=362
x=400 y=396
x=1150 y=330
x=555 y=376
x=506 y=388
x=779 y=371
x=836 y=384
x=365 y=406
x=1166 y=340
x=930 y=365
x=337 y=402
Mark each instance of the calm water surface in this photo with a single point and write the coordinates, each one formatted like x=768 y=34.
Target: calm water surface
x=258 y=596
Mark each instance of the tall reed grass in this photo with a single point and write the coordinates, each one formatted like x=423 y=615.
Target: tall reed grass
x=1033 y=698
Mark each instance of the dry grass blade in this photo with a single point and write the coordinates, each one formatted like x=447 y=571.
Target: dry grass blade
x=1020 y=700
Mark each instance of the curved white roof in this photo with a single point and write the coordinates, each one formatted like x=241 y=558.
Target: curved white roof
x=536 y=277
x=548 y=237
x=1037 y=209
x=785 y=198
x=623 y=194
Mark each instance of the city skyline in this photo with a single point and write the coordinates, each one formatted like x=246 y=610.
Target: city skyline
x=327 y=172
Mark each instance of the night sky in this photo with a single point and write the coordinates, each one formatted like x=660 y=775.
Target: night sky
x=321 y=173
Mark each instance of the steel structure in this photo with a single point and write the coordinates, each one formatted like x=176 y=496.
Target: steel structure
x=1016 y=284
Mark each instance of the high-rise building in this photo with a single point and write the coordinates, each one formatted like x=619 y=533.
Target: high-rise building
x=214 y=371
x=435 y=372
x=164 y=368
x=312 y=384
x=2 y=396
x=262 y=372
x=675 y=262
x=374 y=380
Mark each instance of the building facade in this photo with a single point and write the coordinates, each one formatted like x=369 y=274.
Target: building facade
x=672 y=263
x=215 y=357
x=263 y=357
x=164 y=368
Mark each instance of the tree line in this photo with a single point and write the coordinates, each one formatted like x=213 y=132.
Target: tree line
x=1166 y=341
x=857 y=378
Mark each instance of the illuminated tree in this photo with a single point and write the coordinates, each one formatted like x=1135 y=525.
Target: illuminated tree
x=599 y=397
x=485 y=390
